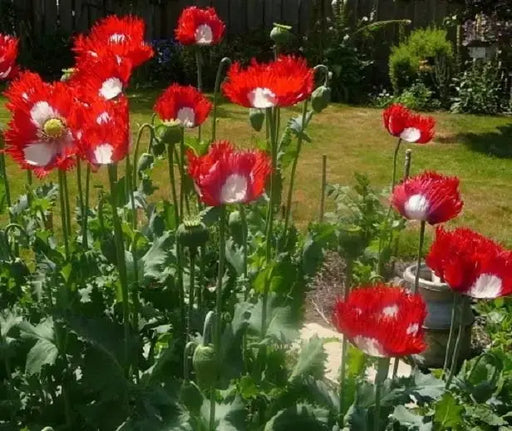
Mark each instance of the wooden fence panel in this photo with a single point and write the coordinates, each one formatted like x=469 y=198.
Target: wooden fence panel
x=241 y=16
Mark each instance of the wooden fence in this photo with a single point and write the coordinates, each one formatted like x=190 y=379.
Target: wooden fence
x=241 y=16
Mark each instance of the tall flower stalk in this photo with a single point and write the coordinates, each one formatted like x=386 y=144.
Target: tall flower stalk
x=223 y=63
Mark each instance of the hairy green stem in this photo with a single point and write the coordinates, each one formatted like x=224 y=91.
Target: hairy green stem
x=420 y=253
x=449 y=344
x=223 y=62
x=244 y=246
x=172 y=179
x=344 y=345
x=121 y=259
x=85 y=237
x=199 y=65
x=458 y=345
x=29 y=187
x=382 y=373
x=66 y=197
x=270 y=215
x=3 y=169
x=222 y=258
x=80 y=194
x=63 y=213
x=294 y=169
x=395 y=162
x=137 y=147
x=191 y=287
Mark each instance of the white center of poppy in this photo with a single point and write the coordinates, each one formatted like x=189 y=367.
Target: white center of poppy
x=412 y=329
x=111 y=88
x=118 y=38
x=390 y=310
x=5 y=73
x=487 y=286
x=187 y=117
x=410 y=134
x=370 y=346
x=234 y=189
x=103 y=118
x=103 y=154
x=40 y=153
x=262 y=98
x=42 y=112
x=204 y=35
x=416 y=207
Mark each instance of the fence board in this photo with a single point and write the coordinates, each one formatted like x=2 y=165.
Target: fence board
x=241 y=16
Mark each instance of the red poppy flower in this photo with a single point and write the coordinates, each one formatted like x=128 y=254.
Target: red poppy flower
x=103 y=130
x=106 y=77
x=283 y=82
x=39 y=136
x=8 y=54
x=382 y=321
x=197 y=26
x=226 y=176
x=184 y=104
x=410 y=127
x=471 y=264
x=121 y=37
x=428 y=197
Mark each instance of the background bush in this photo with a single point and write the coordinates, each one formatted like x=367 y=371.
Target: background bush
x=417 y=54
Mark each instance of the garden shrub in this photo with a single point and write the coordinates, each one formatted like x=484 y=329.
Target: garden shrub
x=417 y=54
x=479 y=90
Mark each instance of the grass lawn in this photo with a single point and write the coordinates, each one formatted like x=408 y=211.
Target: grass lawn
x=478 y=149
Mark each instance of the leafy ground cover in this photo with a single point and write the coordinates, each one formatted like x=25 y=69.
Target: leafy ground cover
x=478 y=149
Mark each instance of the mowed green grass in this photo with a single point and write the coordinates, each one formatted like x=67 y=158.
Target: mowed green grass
x=478 y=149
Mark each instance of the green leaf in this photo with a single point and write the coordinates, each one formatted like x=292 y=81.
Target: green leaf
x=311 y=360
x=448 y=413
x=483 y=413
x=301 y=417
x=154 y=265
x=229 y=416
x=235 y=256
x=410 y=420
x=44 y=352
x=427 y=387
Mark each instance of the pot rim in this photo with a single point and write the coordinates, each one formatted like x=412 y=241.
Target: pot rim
x=410 y=273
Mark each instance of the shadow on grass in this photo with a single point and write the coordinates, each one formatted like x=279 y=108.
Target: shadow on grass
x=497 y=143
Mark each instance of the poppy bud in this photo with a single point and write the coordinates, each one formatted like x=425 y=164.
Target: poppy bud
x=192 y=233
x=256 y=117
x=281 y=34
x=170 y=132
x=205 y=365
x=320 y=98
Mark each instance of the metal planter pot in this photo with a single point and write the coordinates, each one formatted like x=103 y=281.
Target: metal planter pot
x=439 y=299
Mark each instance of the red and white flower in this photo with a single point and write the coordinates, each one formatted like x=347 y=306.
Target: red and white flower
x=382 y=321
x=184 y=104
x=283 y=82
x=39 y=136
x=227 y=176
x=404 y=124
x=120 y=37
x=471 y=264
x=103 y=130
x=428 y=197
x=106 y=77
x=8 y=55
x=198 y=26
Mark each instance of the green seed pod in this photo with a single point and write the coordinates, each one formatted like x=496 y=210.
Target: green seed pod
x=205 y=365
x=257 y=118
x=321 y=98
x=281 y=34
x=192 y=233
x=352 y=241
x=170 y=132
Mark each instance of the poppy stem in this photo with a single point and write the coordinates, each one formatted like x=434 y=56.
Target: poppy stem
x=382 y=374
x=458 y=344
x=191 y=287
x=270 y=215
x=29 y=186
x=172 y=179
x=294 y=168
x=244 y=245
x=223 y=62
x=199 y=64
x=3 y=169
x=344 y=346
x=449 y=344
x=80 y=194
x=121 y=260
x=63 y=213
x=395 y=162
x=222 y=256
x=66 y=197
x=85 y=215
x=420 y=253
